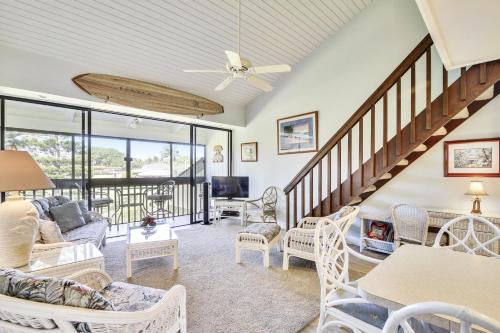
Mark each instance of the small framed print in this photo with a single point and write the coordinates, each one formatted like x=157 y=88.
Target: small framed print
x=249 y=152
x=298 y=134
x=472 y=158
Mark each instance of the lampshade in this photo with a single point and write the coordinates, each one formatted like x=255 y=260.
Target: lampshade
x=20 y=172
x=476 y=188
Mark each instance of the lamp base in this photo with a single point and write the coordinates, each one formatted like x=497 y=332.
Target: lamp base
x=476 y=206
x=18 y=224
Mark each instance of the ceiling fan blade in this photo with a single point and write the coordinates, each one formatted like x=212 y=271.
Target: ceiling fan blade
x=224 y=83
x=259 y=83
x=271 y=69
x=233 y=58
x=204 y=71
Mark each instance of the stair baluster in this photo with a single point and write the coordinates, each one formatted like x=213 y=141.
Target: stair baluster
x=397 y=150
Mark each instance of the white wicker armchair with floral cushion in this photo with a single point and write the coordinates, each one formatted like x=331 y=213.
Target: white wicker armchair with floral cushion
x=128 y=308
x=262 y=209
x=299 y=241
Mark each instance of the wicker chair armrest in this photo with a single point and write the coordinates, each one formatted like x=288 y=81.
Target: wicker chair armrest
x=253 y=203
x=363 y=257
x=308 y=222
x=299 y=239
x=94 y=278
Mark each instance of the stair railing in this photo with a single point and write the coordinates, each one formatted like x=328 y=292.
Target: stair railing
x=326 y=190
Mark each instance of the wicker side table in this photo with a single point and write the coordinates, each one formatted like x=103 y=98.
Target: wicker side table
x=147 y=244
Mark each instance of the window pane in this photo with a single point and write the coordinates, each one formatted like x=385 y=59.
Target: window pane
x=51 y=151
x=108 y=158
x=180 y=160
x=200 y=161
x=150 y=159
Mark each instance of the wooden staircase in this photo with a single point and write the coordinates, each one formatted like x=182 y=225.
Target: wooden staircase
x=329 y=180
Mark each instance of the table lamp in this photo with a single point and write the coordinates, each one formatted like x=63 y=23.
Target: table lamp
x=476 y=189
x=18 y=217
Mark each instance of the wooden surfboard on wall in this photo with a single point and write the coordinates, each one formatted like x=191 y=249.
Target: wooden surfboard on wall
x=145 y=95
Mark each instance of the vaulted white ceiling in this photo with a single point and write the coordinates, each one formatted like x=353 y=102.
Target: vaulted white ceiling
x=155 y=40
x=465 y=32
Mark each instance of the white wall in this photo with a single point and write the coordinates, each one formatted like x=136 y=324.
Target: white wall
x=336 y=79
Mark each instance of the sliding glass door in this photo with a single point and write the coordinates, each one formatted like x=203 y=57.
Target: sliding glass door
x=125 y=167
x=37 y=129
x=211 y=158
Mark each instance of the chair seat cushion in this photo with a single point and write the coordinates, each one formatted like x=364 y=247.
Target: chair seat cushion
x=130 y=297
x=268 y=230
x=50 y=290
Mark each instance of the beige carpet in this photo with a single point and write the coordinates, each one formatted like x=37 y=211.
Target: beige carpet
x=223 y=296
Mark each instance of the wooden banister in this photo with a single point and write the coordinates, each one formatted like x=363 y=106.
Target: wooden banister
x=406 y=64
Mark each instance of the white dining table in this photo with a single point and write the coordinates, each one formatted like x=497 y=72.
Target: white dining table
x=415 y=273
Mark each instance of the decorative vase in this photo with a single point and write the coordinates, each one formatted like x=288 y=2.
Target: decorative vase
x=18 y=224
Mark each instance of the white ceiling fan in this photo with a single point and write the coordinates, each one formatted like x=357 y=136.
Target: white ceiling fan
x=240 y=68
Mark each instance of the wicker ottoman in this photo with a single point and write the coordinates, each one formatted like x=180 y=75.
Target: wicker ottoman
x=258 y=237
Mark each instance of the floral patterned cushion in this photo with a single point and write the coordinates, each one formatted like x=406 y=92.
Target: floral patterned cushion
x=268 y=230
x=129 y=297
x=51 y=290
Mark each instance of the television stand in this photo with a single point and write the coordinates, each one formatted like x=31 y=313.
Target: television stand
x=230 y=208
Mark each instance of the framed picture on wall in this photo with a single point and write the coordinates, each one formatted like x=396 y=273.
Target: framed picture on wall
x=298 y=134
x=468 y=158
x=249 y=152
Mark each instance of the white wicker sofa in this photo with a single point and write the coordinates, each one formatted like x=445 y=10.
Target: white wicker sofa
x=136 y=309
x=94 y=231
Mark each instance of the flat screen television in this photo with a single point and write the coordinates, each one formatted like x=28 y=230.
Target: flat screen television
x=230 y=187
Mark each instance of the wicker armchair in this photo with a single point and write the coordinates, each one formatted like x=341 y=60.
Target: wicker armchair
x=168 y=315
x=299 y=241
x=411 y=225
x=262 y=209
x=339 y=298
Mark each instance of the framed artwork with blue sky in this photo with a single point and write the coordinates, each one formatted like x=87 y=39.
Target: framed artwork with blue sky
x=298 y=134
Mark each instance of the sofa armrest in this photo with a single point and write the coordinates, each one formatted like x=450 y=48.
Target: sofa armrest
x=41 y=249
x=94 y=278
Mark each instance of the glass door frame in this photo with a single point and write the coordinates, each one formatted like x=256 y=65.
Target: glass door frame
x=86 y=133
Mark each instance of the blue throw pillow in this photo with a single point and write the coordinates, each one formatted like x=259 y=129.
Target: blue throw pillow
x=68 y=216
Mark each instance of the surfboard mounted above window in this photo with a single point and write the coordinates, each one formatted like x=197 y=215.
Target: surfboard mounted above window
x=145 y=95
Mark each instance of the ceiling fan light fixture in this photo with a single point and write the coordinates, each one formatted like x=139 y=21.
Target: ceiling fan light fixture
x=240 y=68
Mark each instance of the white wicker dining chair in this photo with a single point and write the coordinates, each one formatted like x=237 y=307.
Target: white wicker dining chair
x=464 y=318
x=471 y=234
x=299 y=241
x=168 y=315
x=263 y=209
x=411 y=225
x=339 y=297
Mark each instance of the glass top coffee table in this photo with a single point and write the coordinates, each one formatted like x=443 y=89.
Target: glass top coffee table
x=147 y=243
x=65 y=261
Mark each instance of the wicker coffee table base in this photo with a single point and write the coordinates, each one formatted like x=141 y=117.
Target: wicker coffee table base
x=142 y=251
